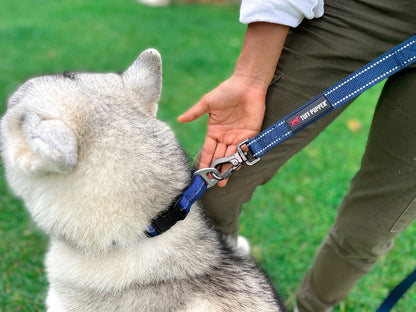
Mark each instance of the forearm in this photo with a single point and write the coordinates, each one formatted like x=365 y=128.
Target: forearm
x=263 y=44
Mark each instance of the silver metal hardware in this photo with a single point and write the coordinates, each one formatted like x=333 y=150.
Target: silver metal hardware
x=249 y=159
x=203 y=173
x=236 y=161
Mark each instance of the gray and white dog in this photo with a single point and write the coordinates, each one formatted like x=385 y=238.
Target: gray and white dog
x=94 y=166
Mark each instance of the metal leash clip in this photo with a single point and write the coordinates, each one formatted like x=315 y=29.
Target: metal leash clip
x=236 y=160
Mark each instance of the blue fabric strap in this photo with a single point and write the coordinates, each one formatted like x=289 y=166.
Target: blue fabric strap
x=192 y=193
x=397 y=293
x=179 y=209
x=337 y=95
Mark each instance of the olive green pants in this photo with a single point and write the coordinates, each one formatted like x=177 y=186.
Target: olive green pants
x=381 y=200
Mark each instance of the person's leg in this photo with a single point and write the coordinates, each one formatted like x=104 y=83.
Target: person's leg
x=317 y=54
x=381 y=201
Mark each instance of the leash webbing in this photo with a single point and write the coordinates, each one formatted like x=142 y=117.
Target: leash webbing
x=397 y=293
x=344 y=91
x=180 y=209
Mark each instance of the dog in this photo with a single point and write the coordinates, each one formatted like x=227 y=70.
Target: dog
x=94 y=167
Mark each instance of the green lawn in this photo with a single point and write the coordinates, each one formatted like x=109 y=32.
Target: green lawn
x=286 y=219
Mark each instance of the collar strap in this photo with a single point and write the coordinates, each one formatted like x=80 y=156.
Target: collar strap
x=179 y=209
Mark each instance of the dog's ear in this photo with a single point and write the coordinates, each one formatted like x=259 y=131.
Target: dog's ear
x=144 y=77
x=52 y=146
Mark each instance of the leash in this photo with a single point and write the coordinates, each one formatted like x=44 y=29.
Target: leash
x=180 y=208
x=397 y=293
x=342 y=92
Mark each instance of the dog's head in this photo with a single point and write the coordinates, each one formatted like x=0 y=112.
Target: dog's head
x=88 y=156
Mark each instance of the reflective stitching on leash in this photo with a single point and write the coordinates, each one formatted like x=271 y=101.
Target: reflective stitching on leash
x=265 y=133
x=272 y=143
x=336 y=104
x=410 y=60
x=373 y=65
x=365 y=86
x=372 y=81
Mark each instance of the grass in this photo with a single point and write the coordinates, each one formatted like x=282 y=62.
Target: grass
x=285 y=221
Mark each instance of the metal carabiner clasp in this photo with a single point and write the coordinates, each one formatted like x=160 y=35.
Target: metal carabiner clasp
x=234 y=160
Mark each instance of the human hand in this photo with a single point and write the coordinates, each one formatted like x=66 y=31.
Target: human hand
x=236 y=110
x=236 y=107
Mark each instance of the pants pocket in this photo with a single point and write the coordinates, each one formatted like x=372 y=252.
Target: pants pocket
x=407 y=216
x=277 y=76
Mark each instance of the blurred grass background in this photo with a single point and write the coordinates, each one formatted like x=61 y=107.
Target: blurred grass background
x=286 y=220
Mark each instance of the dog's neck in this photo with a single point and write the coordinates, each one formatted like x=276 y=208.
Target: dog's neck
x=155 y=258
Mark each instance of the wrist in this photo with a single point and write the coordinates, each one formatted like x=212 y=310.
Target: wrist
x=252 y=79
x=263 y=44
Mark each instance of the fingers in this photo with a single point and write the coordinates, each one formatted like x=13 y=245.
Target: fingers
x=212 y=150
x=229 y=151
x=220 y=151
x=194 y=112
x=208 y=150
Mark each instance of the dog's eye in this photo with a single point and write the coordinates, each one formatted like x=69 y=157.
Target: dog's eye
x=68 y=74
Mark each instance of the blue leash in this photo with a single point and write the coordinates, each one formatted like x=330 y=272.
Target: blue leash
x=180 y=208
x=344 y=91
x=397 y=293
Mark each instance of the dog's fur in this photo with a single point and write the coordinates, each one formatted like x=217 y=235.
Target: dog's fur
x=94 y=166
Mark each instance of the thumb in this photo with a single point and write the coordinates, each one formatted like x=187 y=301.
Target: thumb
x=194 y=112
